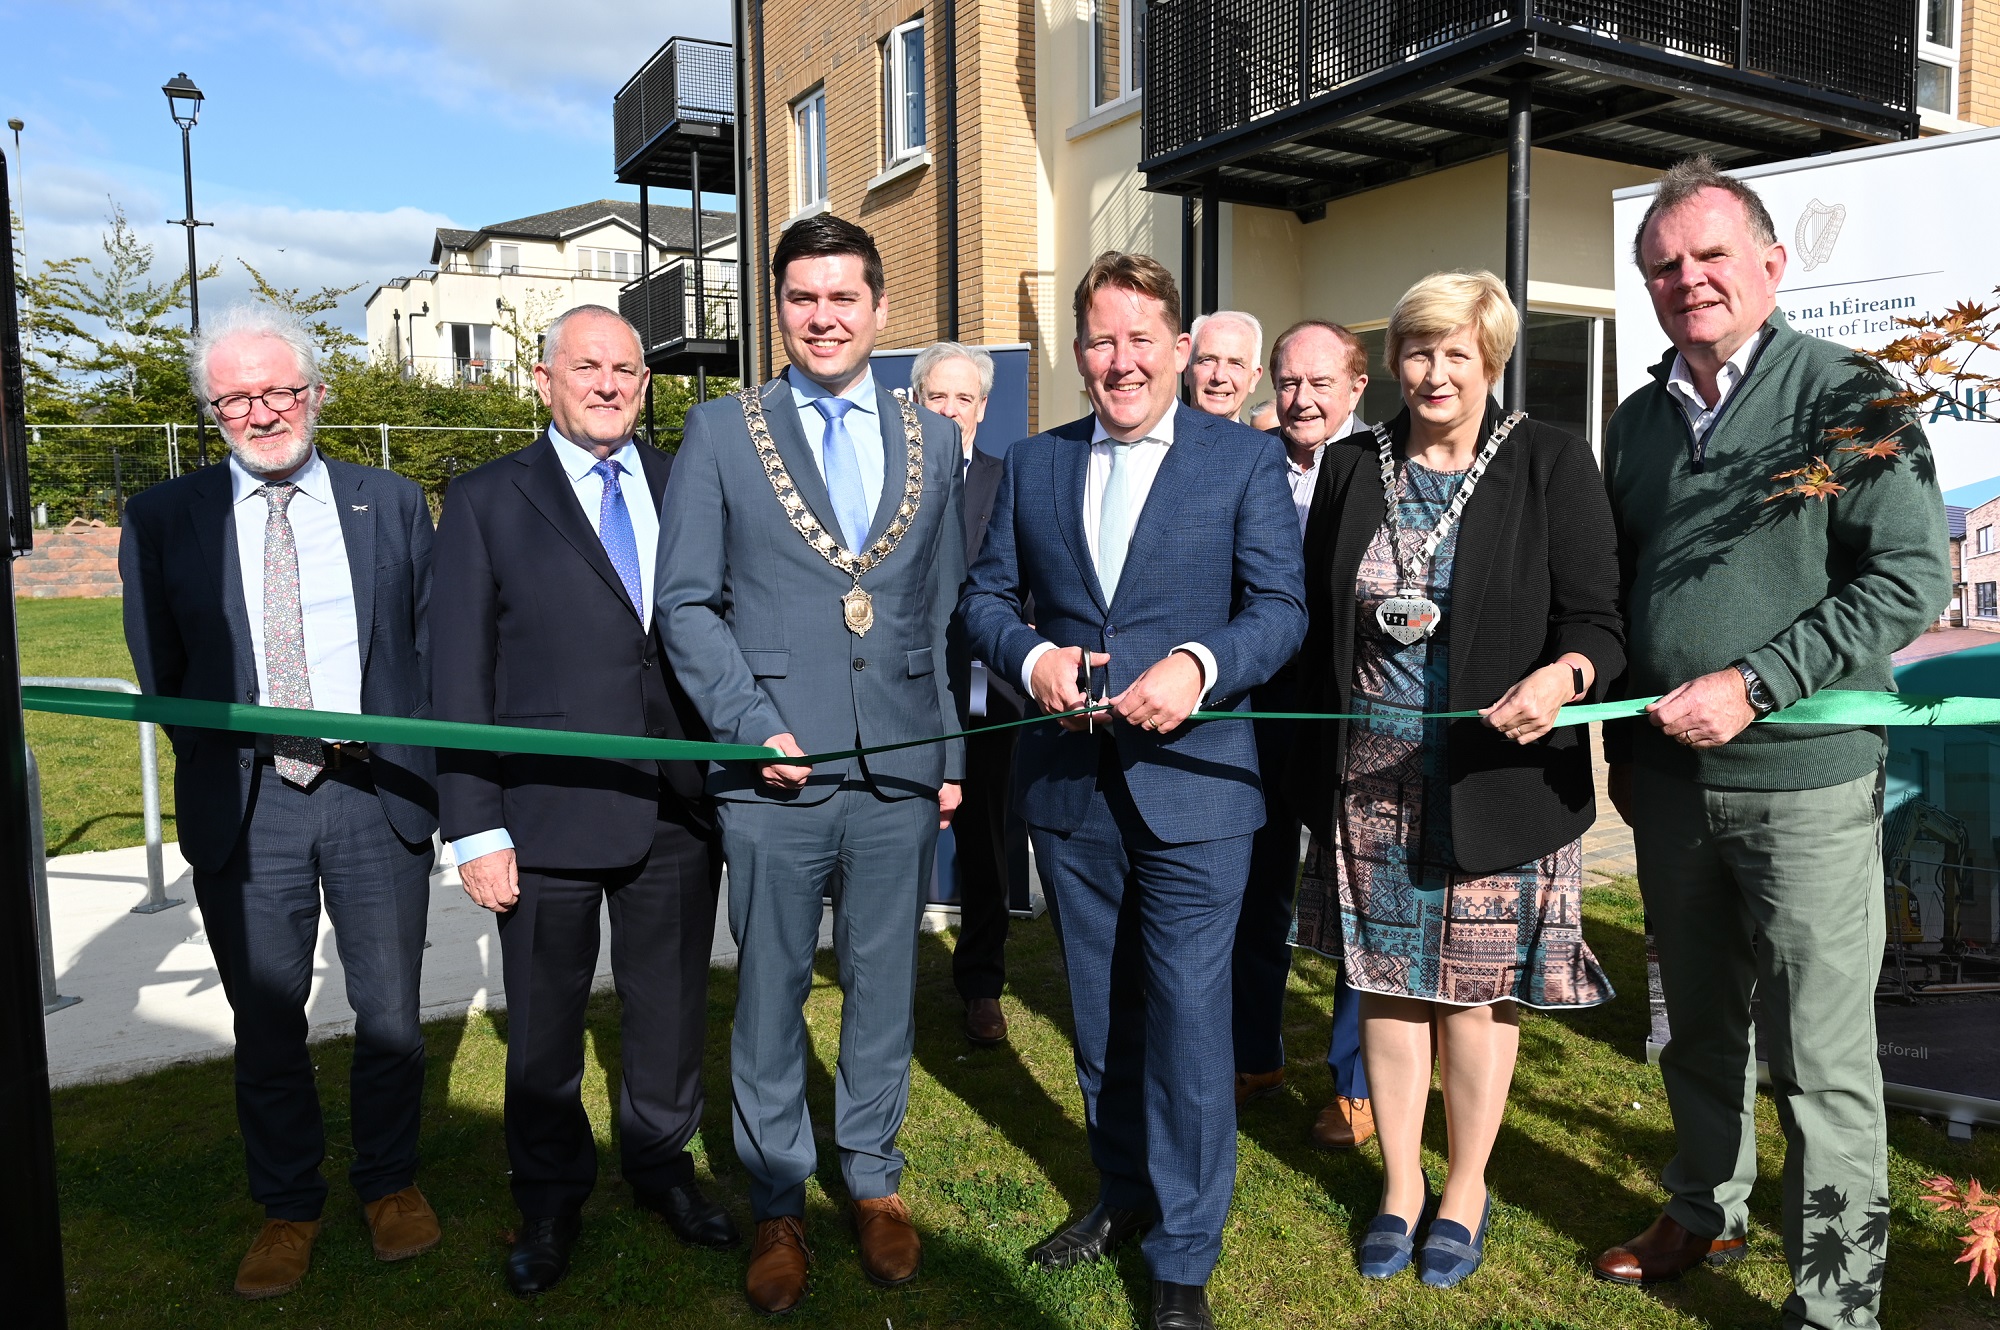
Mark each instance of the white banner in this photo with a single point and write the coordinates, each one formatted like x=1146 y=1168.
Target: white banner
x=1870 y=235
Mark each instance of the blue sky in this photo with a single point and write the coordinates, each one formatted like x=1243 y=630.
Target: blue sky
x=336 y=136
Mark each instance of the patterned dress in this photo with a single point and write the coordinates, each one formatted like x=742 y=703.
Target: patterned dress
x=1386 y=897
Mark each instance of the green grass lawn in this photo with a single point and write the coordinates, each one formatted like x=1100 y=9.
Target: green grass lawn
x=155 y=1216
x=90 y=768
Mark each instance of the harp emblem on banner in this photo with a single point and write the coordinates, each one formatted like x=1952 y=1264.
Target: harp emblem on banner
x=1817 y=231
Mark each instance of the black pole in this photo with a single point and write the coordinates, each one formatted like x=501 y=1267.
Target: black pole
x=30 y=1223
x=1520 y=137
x=194 y=287
x=1189 y=268
x=950 y=38
x=746 y=308
x=700 y=263
x=1211 y=245
x=763 y=196
x=646 y=298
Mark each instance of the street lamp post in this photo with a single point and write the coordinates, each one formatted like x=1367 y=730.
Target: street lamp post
x=184 y=102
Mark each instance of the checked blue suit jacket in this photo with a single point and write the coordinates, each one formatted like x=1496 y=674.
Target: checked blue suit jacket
x=1215 y=558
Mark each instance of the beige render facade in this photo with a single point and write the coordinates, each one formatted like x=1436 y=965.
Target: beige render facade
x=1048 y=177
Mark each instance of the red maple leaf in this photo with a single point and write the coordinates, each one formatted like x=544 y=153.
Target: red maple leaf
x=1982 y=1251
x=1881 y=450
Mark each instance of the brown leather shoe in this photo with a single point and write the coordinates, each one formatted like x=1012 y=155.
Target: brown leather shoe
x=1258 y=1085
x=278 y=1259
x=778 y=1261
x=1343 y=1124
x=891 y=1251
x=1664 y=1252
x=402 y=1224
x=985 y=1023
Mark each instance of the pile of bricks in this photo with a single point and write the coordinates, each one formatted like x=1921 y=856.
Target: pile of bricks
x=79 y=560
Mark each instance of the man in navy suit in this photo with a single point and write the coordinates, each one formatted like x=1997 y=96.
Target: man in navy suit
x=284 y=577
x=544 y=618
x=1160 y=547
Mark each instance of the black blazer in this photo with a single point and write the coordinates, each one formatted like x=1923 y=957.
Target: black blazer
x=1003 y=697
x=533 y=628
x=1536 y=575
x=188 y=629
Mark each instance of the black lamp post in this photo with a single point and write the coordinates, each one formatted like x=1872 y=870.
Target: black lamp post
x=184 y=101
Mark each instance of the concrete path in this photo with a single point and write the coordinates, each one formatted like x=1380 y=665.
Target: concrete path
x=151 y=994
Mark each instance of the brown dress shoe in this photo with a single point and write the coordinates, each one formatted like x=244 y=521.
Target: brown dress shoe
x=891 y=1251
x=1664 y=1252
x=402 y=1224
x=1343 y=1124
x=1258 y=1085
x=278 y=1259
x=778 y=1261
x=985 y=1023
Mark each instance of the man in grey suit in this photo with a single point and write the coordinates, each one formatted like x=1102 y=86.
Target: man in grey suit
x=810 y=556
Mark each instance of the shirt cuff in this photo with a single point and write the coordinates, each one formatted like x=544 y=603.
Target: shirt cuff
x=1209 y=669
x=1035 y=653
x=467 y=848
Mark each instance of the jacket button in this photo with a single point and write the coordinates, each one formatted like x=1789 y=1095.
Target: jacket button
x=860 y=664
x=250 y=696
x=645 y=664
x=245 y=764
x=1109 y=631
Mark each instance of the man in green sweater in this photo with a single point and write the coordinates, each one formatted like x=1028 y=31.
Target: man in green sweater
x=1759 y=847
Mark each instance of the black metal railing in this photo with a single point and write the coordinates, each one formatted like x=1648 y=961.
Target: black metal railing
x=688 y=80
x=677 y=315
x=1213 y=65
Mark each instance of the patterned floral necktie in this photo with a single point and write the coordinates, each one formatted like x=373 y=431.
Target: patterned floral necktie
x=299 y=760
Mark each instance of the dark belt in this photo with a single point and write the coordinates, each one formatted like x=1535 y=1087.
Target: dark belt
x=337 y=755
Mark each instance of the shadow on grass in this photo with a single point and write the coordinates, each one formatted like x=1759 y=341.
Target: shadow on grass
x=90 y=824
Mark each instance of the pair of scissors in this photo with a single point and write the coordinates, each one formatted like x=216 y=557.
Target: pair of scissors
x=1086 y=685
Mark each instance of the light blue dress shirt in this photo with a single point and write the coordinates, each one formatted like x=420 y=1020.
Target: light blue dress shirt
x=589 y=490
x=864 y=426
x=326 y=585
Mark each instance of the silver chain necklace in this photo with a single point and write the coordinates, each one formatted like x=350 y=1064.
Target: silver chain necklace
x=1409 y=615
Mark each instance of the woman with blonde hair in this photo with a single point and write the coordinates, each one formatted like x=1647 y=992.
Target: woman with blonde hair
x=1461 y=561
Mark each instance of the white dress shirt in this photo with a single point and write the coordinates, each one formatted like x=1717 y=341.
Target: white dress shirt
x=589 y=492
x=1305 y=479
x=1144 y=460
x=1680 y=385
x=326 y=585
x=864 y=426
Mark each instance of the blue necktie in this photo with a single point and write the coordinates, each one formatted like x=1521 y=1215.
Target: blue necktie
x=843 y=473
x=614 y=529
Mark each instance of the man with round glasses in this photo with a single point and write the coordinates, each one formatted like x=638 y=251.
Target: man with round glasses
x=286 y=578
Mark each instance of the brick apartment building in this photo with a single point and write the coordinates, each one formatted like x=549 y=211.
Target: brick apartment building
x=851 y=113
x=1980 y=561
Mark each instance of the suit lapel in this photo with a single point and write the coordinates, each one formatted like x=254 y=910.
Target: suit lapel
x=1486 y=512
x=1069 y=484
x=545 y=484
x=895 y=464
x=782 y=415
x=212 y=516
x=1180 y=469
x=357 y=530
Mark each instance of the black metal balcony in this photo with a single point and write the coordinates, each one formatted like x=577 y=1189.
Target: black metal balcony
x=684 y=331
x=1294 y=103
x=677 y=115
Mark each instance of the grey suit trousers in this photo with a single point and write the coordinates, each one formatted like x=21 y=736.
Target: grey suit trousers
x=873 y=857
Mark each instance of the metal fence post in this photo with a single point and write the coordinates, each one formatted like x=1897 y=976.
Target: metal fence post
x=385 y=447
x=149 y=790
x=52 y=1001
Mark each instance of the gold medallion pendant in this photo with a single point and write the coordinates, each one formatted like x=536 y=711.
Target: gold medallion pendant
x=857 y=607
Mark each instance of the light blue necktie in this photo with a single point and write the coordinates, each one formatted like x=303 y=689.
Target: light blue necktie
x=614 y=530
x=843 y=473
x=1115 y=520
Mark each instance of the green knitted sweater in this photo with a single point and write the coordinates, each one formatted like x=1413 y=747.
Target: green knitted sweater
x=1813 y=593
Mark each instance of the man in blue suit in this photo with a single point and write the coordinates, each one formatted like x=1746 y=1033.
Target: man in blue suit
x=811 y=552
x=1160 y=547
x=287 y=578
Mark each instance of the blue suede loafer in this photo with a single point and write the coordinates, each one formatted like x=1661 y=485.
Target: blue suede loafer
x=1450 y=1253
x=1389 y=1245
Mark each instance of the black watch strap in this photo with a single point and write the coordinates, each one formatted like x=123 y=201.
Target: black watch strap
x=1577 y=686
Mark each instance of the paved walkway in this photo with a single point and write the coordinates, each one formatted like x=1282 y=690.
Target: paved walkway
x=151 y=994
x=1943 y=642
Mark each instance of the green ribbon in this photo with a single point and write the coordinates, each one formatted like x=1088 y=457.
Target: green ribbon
x=1831 y=707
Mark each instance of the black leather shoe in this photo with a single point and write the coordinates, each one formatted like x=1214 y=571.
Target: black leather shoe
x=695 y=1220
x=1181 y=1307
x=1091 y=1238
x=541 y=1253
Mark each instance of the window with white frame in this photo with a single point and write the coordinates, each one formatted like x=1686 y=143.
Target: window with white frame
x=809 y=149
x=503 y=258
x=1117 y=49
x=1937 y=56
x=903 y=92
x=619 y=264
x=1983 y=540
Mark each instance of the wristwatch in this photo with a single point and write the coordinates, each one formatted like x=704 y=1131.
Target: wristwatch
x=1753 y=686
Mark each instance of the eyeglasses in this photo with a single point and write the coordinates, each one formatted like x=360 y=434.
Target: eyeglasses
x=237 y=405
